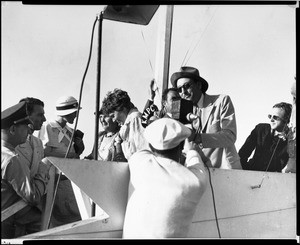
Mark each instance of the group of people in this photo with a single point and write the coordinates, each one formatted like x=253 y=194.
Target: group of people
x=25 y=174
x=168 y=160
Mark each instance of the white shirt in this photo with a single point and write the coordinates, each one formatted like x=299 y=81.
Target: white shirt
x=131 y=133
x=56 y=140
x=163 y=195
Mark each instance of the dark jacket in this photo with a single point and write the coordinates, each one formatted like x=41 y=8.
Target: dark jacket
x=263 y=142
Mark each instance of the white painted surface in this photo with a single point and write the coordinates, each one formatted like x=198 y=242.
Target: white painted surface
x=243 y=212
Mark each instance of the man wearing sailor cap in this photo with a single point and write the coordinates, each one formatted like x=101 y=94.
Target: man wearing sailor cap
x=163 y=194
x=16 y=183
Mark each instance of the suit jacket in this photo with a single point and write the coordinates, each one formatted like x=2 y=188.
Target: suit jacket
x=16 y=182
x=31 y=152
x=218 y=131
x=262 y=141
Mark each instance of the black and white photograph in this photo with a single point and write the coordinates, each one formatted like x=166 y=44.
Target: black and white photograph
x=148 y=121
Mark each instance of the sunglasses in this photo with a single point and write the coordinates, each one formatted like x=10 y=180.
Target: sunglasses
x=274 y=117
x=185 y=86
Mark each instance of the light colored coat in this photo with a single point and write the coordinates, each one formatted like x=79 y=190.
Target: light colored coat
x=131 y=133
x=31 y=152
x=218 y=131
x=163 y=195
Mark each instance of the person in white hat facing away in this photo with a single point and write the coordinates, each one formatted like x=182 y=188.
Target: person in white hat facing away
x=56 y=136
x=163 y=194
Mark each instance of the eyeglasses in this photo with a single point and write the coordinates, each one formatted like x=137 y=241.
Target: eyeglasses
x=185 y=86
x=274 y=117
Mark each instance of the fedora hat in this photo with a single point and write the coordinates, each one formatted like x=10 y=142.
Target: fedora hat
x=189 y=72
x=66 y=105
x=166 y=133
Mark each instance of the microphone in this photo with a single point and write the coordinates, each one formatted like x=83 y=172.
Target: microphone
x=191 y=117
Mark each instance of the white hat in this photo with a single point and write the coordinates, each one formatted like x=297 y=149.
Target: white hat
x=166 y=133
x=66 y=105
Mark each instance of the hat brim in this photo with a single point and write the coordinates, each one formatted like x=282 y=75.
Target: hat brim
x=178 y=75
x=66 y=112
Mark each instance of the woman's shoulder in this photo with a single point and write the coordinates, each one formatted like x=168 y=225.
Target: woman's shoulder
x=134 y=112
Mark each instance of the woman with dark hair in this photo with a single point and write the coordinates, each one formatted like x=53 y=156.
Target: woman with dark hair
x=109 y=148
x=118 y=105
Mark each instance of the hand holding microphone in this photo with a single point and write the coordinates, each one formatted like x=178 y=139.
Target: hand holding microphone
x=191 y=117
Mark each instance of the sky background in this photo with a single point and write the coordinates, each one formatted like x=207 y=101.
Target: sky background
x=245 y=51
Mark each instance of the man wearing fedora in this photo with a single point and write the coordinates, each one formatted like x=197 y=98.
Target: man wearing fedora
x=17 y=183
x=56 y=136
x=163 y=194
x=215 y=128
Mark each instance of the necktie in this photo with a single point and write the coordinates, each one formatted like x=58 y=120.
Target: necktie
x=280 y=135
x=197 y=123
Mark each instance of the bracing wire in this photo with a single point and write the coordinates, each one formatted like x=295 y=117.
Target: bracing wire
x=198 y=131
x=77 y=117
x=188 y=50
x=147 y=52
x=271 y=158
x=202 y=34
x=150 y=63
x=214 y=202
x=264 y=175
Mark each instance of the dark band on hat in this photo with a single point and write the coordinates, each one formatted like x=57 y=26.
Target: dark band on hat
x=66 y=107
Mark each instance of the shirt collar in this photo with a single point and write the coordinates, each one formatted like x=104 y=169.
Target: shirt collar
x=131 y=114
x=200 y=102
x=280 y=135
x=55 y=124
x=7 y=145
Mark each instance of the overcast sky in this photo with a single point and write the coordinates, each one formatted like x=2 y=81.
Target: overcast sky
x=245 y=51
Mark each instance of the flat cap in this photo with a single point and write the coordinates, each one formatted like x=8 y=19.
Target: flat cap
x=166 y=133
x=15 y=114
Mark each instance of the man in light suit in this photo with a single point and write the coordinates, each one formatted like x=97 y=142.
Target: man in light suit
x=17 y=183
x=215 y=127
x=32 y=152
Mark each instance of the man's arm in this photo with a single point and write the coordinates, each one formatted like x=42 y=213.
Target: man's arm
x=195 y=164
x=29 y=189
x=223 y=133
x=247 y=148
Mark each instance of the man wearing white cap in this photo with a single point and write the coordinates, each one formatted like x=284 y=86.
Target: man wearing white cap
x=163 y=194
x=56 y=136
